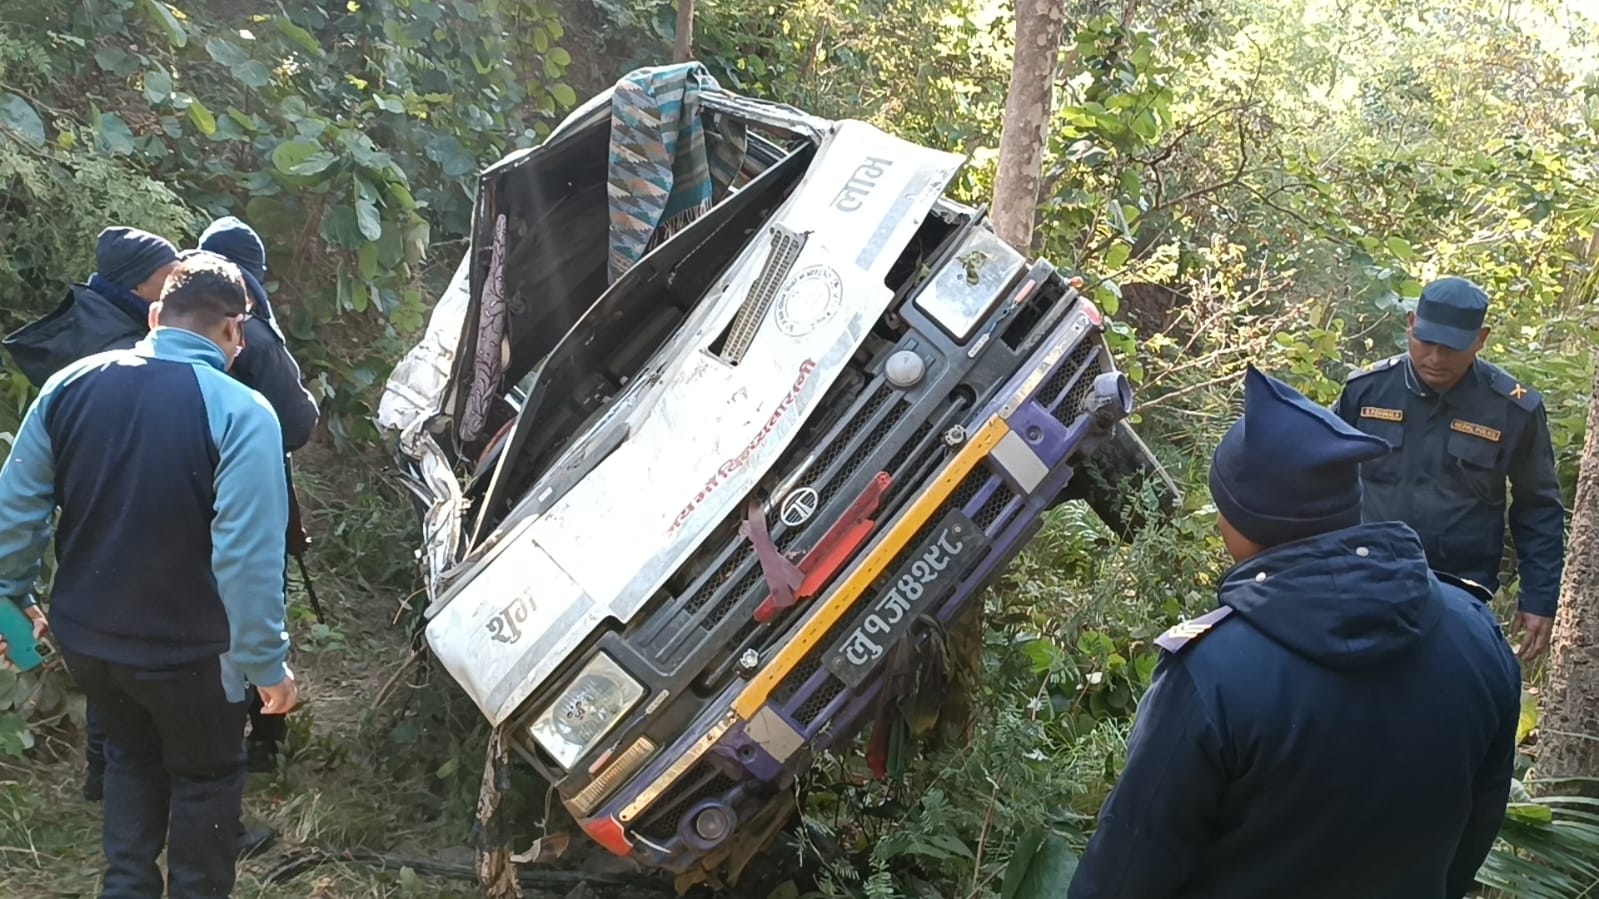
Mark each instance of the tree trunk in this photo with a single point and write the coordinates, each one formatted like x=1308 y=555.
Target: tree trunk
x=1039 y=25
x=684 y=50
x=1568 y=742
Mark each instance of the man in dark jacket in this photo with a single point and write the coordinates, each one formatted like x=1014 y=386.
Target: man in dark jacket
x=110 y=312
x=1343 y=725
x=168 y=595
x=266 y=365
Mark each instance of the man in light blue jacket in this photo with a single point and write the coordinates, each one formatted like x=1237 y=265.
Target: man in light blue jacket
x=168 y=595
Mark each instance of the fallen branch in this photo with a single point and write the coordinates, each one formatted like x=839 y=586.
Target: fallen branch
x=393 y=682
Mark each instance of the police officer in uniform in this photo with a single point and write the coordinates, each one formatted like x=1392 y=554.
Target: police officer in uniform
x=1461 y=428
x=1342 y=725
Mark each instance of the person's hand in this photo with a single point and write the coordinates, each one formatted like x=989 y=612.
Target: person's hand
x=1538 y=629
x=41 y=625
x=280 y=698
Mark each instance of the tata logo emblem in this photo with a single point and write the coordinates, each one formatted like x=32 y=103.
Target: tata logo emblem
x=799 y=506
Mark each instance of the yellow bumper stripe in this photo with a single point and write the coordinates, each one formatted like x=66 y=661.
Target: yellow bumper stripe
x=856 y=582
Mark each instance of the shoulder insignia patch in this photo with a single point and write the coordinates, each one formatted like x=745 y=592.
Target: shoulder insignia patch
x=1517 y=392
x=1384 y=365
x=1475 y=430
x=1382 y=414
x=1181 y=635
x=1477 y=591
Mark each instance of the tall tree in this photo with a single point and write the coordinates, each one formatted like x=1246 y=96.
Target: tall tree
x=683 y=51
x=1569 y=735
x=1039 y=25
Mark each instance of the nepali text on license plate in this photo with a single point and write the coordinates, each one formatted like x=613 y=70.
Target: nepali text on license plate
x=923 y=579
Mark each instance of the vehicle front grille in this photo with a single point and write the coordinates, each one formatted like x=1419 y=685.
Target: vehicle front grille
x=809 y=690
x=870 y=437
x=1063 y=394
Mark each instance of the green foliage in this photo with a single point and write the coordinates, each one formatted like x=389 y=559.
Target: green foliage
x=348 y=139
x=1042 y=867
x=36 y=703
x=1549 y=846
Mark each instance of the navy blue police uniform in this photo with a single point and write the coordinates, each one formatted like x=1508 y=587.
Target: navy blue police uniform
x=1337 y=673
x=1453 y=455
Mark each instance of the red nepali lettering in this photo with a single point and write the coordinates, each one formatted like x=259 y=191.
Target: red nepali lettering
x=727 y=468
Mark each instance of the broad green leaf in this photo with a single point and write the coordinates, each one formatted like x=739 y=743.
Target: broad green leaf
x=364 y=190
x=389 y=104
x=114 y=135
x=291 y=153
x=114 y=60
x=1117 y=256
x=244 y=120
x=297 y=34
x=202 y=118
x=541 y=39
x=369 y=220
x=1401 y=249
x=560 y=56
x=19 y=119
x=1529 y=717
x=368 y=259
x=402 y=196
x=315 y=164
x=1108 y=297
x=445 y=150
x=225 y=53
x=340 y=228
x=564 y=95
x=1043 y=873
x=157 y=86
x=391 y=247
x=168 y=22
x=253 y=73
x=1531 y=812
x=365 y=153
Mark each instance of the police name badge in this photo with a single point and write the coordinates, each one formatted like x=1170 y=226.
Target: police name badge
x=1382 y=414
x=1475 y=430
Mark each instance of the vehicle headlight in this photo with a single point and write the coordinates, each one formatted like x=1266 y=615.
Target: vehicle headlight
x=586 y=710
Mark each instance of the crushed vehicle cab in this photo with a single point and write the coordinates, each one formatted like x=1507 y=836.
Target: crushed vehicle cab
x=727 y=412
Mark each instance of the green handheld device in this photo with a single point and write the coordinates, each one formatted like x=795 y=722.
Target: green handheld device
x=17 y=629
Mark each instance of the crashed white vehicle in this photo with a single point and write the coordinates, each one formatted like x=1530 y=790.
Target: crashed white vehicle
x=727 y=415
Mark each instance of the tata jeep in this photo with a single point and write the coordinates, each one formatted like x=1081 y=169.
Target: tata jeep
x=681 y=511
